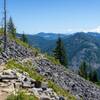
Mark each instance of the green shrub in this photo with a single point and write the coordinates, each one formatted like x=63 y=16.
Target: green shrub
x=21 y=96
x=52 y=59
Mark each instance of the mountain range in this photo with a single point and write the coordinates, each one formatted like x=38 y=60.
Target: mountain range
x=79 y=46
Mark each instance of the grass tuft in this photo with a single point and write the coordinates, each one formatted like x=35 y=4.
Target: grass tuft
x=12 y=64
x=21 y=96
x=52 y=59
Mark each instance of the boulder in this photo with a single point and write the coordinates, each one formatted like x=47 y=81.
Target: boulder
x=45 y=98
x=38 y=84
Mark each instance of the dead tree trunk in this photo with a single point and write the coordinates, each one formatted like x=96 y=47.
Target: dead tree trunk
x=5 y=27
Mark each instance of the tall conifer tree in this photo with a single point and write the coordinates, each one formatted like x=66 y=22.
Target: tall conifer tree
x=24 y=38
x=11 y=27
x=83 y=70
x=93 y=76
x=59 y=52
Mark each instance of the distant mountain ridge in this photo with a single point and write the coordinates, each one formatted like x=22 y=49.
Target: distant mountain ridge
x=50 y=36
x=79 y=46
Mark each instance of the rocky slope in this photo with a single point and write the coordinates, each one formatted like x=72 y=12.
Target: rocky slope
x=14 y=50
x=69 y=81
x=12 y=79
x=66 y=79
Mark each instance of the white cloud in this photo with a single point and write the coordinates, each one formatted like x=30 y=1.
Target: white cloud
x=97 y=29
x=69 y=30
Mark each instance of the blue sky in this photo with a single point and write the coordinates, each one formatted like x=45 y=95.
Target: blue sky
x=60 y=16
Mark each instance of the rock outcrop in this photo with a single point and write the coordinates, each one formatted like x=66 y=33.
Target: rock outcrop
x=15 y=80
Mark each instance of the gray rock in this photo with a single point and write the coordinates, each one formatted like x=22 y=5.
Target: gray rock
x=61 y=98
x=69 y=80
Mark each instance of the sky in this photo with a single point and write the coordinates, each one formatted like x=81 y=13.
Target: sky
x=58 y=16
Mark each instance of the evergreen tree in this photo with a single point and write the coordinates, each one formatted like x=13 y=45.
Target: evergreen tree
x=93 y=76
x=24 y=38
x=59 y=52
x=90 y=76
x=83 y=70
x=11 y=28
